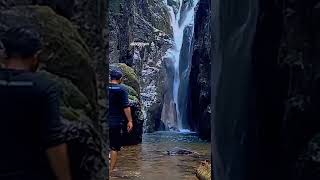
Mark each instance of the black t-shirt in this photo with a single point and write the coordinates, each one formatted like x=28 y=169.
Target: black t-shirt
x=118 y=100
x=29 y=124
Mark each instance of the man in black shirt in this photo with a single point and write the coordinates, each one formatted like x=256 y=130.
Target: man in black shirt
x=118 y=110
x=29 y=114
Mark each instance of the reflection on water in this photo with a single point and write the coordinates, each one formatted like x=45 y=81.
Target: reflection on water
x=150 y=160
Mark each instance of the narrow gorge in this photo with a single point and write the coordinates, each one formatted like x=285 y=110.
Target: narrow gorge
x=162 y=46
x=166 y=43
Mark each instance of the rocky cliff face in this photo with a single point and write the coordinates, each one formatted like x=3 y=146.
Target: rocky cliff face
x=139 y=37
x=69 y=59
x=266 y=98
x=200 y=81
x=288 y=98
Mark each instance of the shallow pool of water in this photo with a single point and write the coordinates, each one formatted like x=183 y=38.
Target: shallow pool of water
x=150 y=160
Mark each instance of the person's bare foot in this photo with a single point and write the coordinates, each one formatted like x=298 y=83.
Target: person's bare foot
x=111 y=172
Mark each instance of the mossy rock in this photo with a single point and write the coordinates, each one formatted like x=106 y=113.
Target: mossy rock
x=69 y=113
x=133 y=98
x=131 y=91
x=65 y=53
x=72 y=97
x=129 y=76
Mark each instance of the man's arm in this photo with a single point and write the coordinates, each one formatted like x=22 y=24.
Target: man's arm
x=127 y=112
x=56 y=148
x=59 y=161
x=127 y=109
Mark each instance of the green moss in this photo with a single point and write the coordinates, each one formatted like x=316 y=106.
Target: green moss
x=131 y=91
x=65 y=52
x=69 y=114
x=133 y=98
x=72 y=97
x=130 y=77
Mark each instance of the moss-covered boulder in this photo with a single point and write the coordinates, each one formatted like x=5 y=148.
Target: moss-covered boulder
x=88 y=152
x=65 y=53
x=132 y=92
x=135 y=137
x=129 y=76
x=73 y=101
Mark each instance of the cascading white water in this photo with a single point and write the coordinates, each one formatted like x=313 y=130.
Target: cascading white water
x=179 y=21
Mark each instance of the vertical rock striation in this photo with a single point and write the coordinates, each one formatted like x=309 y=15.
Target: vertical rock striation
x=200 y=81
x=266 y=100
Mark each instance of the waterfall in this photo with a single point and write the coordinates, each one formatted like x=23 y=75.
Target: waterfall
x=182 y=23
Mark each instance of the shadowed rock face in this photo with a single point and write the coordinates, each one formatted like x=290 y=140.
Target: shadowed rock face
x=266 y=109
x=200 y=81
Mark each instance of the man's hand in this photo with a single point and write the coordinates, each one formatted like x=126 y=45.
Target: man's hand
x=130 y=126
x=127 y=112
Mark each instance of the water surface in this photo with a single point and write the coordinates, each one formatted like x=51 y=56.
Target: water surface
x=150 y=160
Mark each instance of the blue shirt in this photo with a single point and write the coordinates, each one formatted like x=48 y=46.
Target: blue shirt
x=29 y=124
x=118 y=101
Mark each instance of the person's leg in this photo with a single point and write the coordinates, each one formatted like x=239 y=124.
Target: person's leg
x=114 y=155
x=115 y=146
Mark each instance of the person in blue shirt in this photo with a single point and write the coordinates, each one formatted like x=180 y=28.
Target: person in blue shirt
x=29 y=113
x=119 y=111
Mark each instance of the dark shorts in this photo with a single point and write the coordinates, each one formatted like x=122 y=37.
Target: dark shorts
x=115 y=138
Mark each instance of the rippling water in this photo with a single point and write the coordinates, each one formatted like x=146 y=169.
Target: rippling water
x=150 y=160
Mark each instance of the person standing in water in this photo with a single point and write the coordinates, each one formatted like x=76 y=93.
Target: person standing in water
x=29 y=114
x=119 y=109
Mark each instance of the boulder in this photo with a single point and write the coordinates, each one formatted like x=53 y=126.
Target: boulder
x=129 y=76
x=180 y=151
x=135 y=136
x=73 y=100
x=87 y=149
x=65 y=53
x=203 y=172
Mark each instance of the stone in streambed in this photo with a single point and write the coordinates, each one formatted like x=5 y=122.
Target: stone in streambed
x=203 y=172
x=180 y=151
